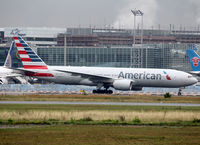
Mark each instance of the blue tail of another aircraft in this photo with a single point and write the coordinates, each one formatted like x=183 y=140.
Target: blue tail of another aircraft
x=194 y=59
x=8 y=62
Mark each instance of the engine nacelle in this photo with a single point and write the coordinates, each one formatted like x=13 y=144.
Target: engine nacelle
x=3 y=81
x=125 y=85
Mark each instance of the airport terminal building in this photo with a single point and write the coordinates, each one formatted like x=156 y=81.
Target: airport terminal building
x=105 y=47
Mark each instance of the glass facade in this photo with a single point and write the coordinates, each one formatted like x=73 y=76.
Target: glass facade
x=149 y=56
x=3 y=54
x=86 y=56
x=1 y=36
x=171 y=56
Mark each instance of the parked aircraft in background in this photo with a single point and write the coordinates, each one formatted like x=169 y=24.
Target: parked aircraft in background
x=194 y=61
x=125 y=79
x=7 y=74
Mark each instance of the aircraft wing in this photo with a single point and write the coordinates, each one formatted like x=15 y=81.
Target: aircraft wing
x=93 y=78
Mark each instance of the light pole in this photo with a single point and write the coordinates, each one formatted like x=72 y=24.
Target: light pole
x=136 y=13
x=65 y=48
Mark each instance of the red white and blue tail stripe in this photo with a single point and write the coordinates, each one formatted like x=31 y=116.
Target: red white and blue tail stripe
x=29 y=58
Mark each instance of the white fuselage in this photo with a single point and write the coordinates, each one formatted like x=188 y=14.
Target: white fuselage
x=142 y=77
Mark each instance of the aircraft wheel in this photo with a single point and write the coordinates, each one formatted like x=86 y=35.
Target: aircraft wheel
x=179 y=92
x=110 y=91
x=94 y=91
x=102 y=91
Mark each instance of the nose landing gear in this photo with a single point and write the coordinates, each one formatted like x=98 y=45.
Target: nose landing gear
x=180 y=92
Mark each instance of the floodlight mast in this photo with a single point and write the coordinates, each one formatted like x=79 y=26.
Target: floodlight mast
x=136 y=13
x=65 y=48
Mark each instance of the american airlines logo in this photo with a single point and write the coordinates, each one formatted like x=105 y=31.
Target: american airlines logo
x=195 y=61
x=167 y=76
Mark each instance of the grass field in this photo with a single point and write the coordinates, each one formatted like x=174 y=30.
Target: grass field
x=143 y=116
x=63 y=113
x=102 y=98
x=99 y=135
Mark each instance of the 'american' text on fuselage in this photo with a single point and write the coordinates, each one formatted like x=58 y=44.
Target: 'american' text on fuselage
x=144 y=76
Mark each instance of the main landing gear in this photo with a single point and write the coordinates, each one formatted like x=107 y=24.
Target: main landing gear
x=100 y=91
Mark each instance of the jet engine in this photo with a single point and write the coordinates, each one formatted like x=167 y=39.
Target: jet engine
x=13 y=80
x=3 y=81
x=125 y=85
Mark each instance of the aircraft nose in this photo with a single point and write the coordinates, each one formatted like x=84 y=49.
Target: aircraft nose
x=193 y=80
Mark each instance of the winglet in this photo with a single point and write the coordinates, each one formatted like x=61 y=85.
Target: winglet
x=8 y=62
x=194 y=59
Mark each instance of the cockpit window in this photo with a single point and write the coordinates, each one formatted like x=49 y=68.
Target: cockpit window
x=190 y=76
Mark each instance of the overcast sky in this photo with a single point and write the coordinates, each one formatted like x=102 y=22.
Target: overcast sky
x=98 y=13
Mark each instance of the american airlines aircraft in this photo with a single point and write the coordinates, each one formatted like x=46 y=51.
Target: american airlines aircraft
x=125 y=79
x=7 y=74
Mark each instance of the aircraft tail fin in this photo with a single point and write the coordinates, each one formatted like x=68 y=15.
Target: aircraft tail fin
x=8 y=62
x=29 y=58
x=194 y=59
